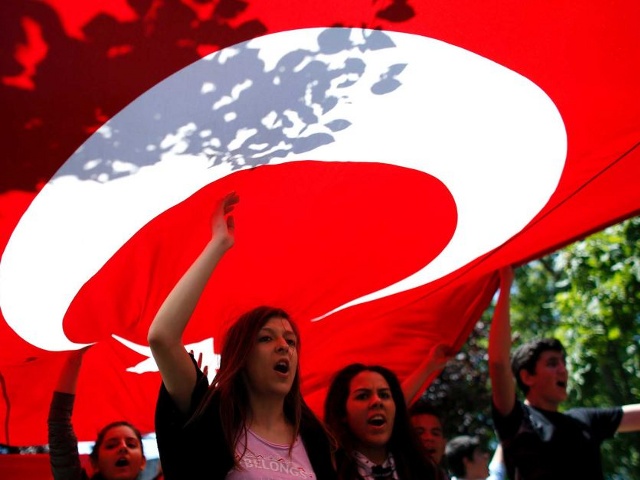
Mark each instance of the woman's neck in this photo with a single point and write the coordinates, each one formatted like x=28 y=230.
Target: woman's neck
x=267 y=419
x=376 y=454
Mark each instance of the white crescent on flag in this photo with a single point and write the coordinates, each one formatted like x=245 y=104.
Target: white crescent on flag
x=202 y=124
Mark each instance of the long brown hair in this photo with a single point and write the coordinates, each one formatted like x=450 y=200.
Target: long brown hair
x=229 y=384
x=404 y=444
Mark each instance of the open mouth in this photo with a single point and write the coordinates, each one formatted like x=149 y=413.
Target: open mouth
x=377 y=421
x=282 y=366
x=562 y=384
x=122 y=462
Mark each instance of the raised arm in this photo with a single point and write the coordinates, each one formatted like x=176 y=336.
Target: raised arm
x=503 y=385
x=169 y=324
x=630 y=419
x=68 y=379
x=63 y=444
x=435 y=360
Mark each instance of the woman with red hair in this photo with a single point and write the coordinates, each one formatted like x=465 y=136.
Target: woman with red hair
x=252 y=420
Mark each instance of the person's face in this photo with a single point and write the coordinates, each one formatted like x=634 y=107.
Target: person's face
x=548 y=385
x=478 y=467
x=120 y=455
x=273 y=361
x=371 y=412
x=429 y=429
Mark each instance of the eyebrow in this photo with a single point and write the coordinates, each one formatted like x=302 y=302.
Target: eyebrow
x=273 y=332
x=111 y=439
x=555 y=359
x=366 y=389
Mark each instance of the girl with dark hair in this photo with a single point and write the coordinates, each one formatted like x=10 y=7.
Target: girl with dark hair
x=117 y=452
x=366 y=411
x=252 y=422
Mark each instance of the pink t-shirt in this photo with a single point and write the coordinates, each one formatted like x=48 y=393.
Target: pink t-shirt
x=264 y=460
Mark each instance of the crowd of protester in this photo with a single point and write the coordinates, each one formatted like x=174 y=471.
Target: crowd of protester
x=252 y=421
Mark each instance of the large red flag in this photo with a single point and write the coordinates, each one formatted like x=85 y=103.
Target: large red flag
x=389 y=156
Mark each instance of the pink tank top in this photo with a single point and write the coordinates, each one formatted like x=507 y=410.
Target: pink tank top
x=264 y=460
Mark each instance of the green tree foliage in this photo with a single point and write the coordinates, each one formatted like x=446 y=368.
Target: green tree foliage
x=588 y=296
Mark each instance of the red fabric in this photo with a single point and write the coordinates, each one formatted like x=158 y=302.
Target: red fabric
x=18 y=467
x=311 y=235
x=32 y=466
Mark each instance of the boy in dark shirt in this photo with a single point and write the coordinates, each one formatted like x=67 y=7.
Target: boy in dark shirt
x=539 y=442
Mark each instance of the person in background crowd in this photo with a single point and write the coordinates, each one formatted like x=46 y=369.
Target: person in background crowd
x=118 y=450
x=466 y=459
x=428 y=425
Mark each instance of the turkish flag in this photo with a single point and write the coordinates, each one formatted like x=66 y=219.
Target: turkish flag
x=390 y=157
